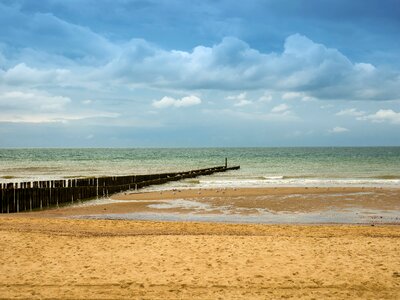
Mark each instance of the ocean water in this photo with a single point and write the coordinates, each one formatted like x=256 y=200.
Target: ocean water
x=337 y=166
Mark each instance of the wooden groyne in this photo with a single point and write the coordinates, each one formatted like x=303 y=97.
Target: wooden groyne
x=27 y=196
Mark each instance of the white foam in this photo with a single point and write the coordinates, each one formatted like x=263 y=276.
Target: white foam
x=218 y=182
x=100 y=201
x=273 y=177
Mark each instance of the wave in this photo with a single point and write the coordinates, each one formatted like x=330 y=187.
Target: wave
x=279 y=177
x=299 y=176
x=272 y=177
x=331 y=177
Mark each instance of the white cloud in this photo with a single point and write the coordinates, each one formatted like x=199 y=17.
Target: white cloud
x=241 y=96
x=281 y=108
x=53 y=117
x=305 y=69
x=292 y=95
x=241 y=99
x=383 y=115
x=35 y=106
x=21 y=74
x=32 y=101
x=297 y=96
x=243 y=102
x=87 y=101
x=265 y=98
x=310 y=70
x=350 y=112
x=184 y=102
x=366 y=68
x=338 y=129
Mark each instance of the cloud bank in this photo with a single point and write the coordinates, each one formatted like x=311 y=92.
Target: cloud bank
x=303 y=68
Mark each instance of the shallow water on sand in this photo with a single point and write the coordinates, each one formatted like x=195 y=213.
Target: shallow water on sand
x=355 y=216
x=271 y=206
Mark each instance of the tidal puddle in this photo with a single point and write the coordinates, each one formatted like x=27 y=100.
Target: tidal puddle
x=349 y=216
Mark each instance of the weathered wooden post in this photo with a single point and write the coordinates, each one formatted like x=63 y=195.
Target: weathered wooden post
x=40 y=190
x=1 y=196
x=8 y=186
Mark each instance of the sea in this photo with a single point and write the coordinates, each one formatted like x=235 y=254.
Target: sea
x=260 y=167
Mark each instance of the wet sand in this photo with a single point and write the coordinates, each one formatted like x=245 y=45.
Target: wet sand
x=48 y=255
x=246 y=205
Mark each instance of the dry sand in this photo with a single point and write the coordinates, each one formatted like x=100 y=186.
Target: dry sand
x=45 y=256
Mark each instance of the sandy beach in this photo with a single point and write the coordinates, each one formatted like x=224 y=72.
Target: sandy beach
x=199 y=150
x=49 y=255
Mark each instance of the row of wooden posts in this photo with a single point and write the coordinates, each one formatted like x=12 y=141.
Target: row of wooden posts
x=28 y=196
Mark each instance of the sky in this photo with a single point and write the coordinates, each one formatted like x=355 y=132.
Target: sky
x=221 y=73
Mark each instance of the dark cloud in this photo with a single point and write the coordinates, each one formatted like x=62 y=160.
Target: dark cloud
x=50 y=34
x=360 y=29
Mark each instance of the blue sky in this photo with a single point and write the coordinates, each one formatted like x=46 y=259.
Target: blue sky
x=146 y=73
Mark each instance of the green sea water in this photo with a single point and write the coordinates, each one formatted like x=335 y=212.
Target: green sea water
x=355 y=166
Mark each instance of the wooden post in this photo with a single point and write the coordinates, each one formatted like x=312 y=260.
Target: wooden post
x=16 y=195
x=15 y=203
x=1 y=197
x=7 y=199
